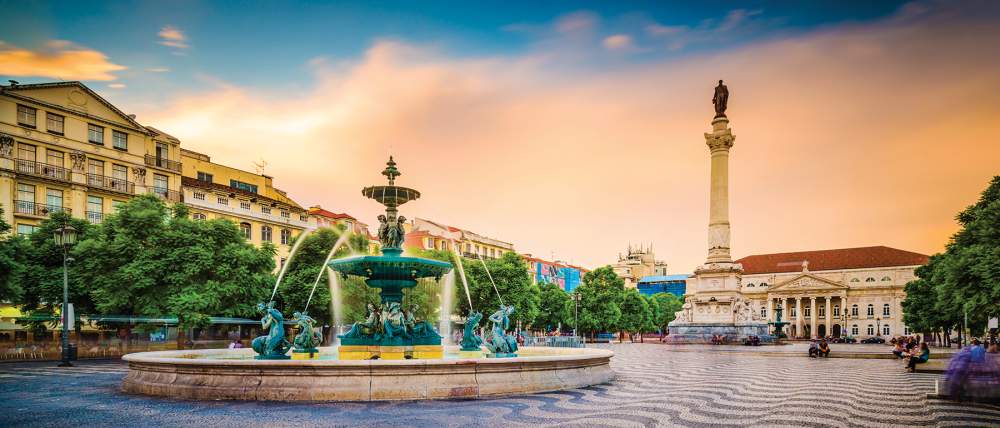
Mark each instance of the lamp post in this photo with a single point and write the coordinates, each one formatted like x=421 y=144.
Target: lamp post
x=878 y=327
x=576 y=313
x=65 y=237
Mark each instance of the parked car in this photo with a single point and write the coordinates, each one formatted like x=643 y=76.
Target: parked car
x=844 y=339
x=875 y=339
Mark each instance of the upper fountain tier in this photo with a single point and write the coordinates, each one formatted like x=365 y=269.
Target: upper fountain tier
x=392 y=195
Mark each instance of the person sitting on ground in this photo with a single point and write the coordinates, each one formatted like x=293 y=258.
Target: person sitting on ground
x=899 y=350
x=813 y=349
x=236 y=344
x=824 y=348
x=918 y=357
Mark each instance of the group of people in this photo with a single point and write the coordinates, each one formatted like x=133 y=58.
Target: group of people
x=819 y=349
x=911 y=350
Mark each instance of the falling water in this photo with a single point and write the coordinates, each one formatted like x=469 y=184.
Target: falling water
x=298 y=242
x=461 y=272
x=340 y=241
x=336 y=305
x=447 y=291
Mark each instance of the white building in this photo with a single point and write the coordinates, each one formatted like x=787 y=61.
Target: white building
x=849 y=291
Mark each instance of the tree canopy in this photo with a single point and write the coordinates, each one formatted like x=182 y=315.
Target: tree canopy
x=553 y=307
x=601 y=295
x=12 y=253
x=513 y=282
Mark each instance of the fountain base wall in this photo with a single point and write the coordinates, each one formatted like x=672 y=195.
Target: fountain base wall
x=194 y=375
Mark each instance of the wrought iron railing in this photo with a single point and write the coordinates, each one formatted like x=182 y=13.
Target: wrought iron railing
x=166 y=194
x=95 y=217
x=34 y=208
x=113 y=184
x=160 y=162
x=40 y=169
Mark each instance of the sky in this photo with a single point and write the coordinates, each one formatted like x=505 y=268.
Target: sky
x=571 y=129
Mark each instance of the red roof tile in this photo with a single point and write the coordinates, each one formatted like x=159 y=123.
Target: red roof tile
x=844 y=258
x=329 y=214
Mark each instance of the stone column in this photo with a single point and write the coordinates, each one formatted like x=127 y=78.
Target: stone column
x=770 y=309
x=813 y=331
x=719 y=141
x=829 y=317
x=799 y=325
x=7 y=196
x=77 y=201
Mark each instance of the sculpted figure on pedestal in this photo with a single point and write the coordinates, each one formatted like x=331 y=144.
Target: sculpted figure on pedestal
x=721 y=99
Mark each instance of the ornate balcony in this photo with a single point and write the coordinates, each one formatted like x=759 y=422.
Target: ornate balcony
x=164 y=163
x=119 y=185
x=95 y=217
x=43 y=170
x=166 y=194
x=36 y=209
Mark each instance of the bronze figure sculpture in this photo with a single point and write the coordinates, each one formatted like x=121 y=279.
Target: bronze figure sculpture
x=721 y=100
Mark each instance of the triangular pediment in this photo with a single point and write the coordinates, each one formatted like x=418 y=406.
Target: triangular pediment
x=74 y=97
x=807 y=281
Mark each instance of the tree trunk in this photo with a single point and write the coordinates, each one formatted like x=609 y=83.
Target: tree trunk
x=181 y=335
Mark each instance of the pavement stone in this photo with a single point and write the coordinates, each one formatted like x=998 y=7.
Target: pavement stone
x=654 y=386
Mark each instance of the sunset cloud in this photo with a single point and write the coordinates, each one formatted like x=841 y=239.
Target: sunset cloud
x=850 y=136
x=173 y=37
x=59 y=59
x=618 y=42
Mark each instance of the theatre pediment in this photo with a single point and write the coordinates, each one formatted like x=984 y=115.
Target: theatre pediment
x=807 y=282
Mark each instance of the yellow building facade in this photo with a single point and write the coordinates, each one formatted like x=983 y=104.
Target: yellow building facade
x=263 y=213
x=65 y=148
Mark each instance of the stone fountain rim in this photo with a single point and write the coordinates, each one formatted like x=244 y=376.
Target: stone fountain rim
x=170 y=357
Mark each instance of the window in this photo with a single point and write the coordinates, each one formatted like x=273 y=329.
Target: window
x=286 y=236
x=285 y=214
x=245 y=228
x=854 y=310
x=26 y=152
x=54 y=199
x=115 y=204
x=885 y=330
x=763 y=284
x=236 y=184
x=119 y=140
x=750 y=285
x=906 y=330
x=26 y=115
x=53 y=157
x=836 y=310
x=199 y=196
x=822 y=311
x=854 y=330
x=265 y=233
x=807 y=311
x=95 y=167
x=265 y=210
x=54 y=123
x=221 y=200
x=162 y=151
x=886 y=278
x=855 y=280
x=763 y=312
x=25 y=199
x=869 y=279
x=95 y=209
x=95 y=134
x=26 y=229
x=794 y=311
x=885 y=310
x=160 y=184
x=204 y=176
x=120 y=172
x=303 y=217
x=871 y=310
x=245 y=205
x=198 y=216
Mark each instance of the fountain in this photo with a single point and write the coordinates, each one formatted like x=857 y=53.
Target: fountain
x=778 y=324
x=390 y=355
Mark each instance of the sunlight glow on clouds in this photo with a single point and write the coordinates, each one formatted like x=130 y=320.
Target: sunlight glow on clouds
x=618 y=42
x=836 y=146
x=173 y=37
x=59 y=59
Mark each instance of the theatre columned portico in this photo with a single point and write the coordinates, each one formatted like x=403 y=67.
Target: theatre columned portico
x=812 y=305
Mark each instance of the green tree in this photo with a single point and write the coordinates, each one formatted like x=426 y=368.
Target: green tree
x=553 y=307
x=668 y=306
x=635 y=313
x=510 y=273
x=12 y=252
x=653 y=314
x=41 y=276
x=147 y=260
x=600 y=300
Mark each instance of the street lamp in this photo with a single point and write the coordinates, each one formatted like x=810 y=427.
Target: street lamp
x=878 y=327
x=65 y=237
x=576 y=313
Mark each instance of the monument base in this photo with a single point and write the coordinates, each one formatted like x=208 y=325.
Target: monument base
x=704 y=332
x=416 y=352
x=501 y=355
x=305 y=354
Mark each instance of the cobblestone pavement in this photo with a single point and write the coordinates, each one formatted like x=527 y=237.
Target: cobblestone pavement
x=654 y=387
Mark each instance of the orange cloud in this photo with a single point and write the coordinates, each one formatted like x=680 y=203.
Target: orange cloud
x=59 y=59
x=173 y=37
x=850 y=136
x=618 y=42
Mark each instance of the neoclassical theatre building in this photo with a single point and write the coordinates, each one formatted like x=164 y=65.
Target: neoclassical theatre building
x=850 y=291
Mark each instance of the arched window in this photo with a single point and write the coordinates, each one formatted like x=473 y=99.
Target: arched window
x=854 y=330
x=763 y=312
x=198 y=216
x=854 y=310
x=871 y=310
x=886 y=278
x=265 y=233
x=871 y=330
x=245 y=228
x=869 y=279
x=763 y=284
x=855 y=280
x=885 y=310
x=750 y=285
x=286 y=236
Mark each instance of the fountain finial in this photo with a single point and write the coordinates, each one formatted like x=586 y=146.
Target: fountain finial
x=391 y=171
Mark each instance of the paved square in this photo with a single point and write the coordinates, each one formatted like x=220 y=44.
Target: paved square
x=654 y=387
